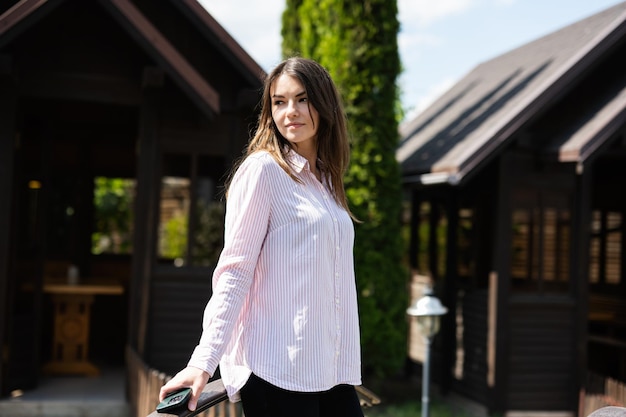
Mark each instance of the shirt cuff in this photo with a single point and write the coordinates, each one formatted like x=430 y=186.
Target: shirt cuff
x=203 y=358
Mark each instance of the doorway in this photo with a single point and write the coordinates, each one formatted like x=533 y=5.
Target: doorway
x=71 y=245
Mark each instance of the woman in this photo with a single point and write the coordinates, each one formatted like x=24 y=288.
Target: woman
x=282 y=322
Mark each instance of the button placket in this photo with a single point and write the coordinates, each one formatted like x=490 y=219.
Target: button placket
x=337 y=278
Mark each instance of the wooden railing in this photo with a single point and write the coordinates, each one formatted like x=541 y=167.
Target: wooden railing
x=144 y=384
x=601 y=392
x=212 y=403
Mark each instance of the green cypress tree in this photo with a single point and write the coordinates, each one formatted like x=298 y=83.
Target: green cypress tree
x=356 y=40
x=290 y=30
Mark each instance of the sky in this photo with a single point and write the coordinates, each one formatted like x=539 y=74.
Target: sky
x=439 y=42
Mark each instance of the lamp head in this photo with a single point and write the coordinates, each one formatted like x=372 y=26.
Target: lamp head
x=427 y=309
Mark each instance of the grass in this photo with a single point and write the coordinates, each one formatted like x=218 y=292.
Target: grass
x=401 y=397
x=414 y=409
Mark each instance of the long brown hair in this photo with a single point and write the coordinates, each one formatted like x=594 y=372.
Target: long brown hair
x=333 y=146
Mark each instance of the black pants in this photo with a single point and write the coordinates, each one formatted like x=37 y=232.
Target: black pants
x=262 y=399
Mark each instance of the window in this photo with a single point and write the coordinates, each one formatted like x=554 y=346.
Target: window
x=541 y=249
x=606 y=251
x=113 y=215
x=191 y=220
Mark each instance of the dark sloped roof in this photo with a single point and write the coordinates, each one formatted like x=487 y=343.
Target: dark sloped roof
x=21 y=15
x=591 y=131
x=162 y=51
x=479 y=114
x=25 y=13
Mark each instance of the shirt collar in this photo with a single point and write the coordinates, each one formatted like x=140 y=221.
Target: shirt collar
x=297 y=161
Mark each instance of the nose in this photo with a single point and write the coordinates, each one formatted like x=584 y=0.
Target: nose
x=292 y=107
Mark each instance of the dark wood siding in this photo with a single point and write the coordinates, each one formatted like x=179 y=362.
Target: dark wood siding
x=175 y=320
x=542 y=353
x=471 y=367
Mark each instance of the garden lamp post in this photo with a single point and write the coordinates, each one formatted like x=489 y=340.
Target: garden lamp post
x=428 y=311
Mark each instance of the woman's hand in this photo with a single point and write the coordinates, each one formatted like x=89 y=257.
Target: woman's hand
x=189 y=377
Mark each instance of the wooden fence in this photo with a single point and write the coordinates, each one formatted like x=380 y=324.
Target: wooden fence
x=601 y=392
x=144 y=384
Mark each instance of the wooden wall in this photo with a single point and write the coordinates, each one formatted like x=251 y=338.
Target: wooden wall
x=175 y=319
x=542 y=354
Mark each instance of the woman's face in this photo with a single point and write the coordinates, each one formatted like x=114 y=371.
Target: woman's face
x=292 y=113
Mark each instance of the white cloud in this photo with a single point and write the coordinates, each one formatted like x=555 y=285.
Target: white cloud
x=425 y=12
x=409 y=40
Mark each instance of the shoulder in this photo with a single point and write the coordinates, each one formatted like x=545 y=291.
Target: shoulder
x=259 y=162
x=257 y=166
x=260 y=158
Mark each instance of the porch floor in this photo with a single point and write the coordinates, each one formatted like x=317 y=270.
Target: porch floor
x=72 y=396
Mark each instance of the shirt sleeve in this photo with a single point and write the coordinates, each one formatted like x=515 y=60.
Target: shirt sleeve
x=247 y=218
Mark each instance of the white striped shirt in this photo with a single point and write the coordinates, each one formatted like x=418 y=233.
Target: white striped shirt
x=284 y=302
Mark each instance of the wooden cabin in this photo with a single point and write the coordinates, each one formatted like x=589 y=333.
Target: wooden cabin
x=118 y=122
x=516 y=179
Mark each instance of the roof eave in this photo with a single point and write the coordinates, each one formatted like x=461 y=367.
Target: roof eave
x=215 y=33
x=594 y=145
x=433 y=178
x=164 y=53
x=23 y=15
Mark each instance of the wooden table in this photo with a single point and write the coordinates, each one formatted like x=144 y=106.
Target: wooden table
x=72 y=308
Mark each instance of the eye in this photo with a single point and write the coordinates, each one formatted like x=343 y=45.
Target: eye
x=304 y=99
x=278 y=102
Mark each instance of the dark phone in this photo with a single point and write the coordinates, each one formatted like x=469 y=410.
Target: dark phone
x=174 y=401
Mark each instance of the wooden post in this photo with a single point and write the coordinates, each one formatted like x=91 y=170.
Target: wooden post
x=433 y=249
x=579 y=267
x=414 y=243
x=448 y=329
x=501 y=256
x=8 y=103
x=146 y=207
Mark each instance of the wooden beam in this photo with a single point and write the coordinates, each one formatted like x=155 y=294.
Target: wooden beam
x=187 y=141
x=165 y=54
x=414 y=243
x=449 y=295
x=73 y=86
x=501 y=263
x=146 y=209
x=22 y=16
x=433 y=246
x=579 y=267
x=8 y=103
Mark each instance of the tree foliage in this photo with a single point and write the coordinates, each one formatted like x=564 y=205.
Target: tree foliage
x=356 y=40
x=113 y=199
